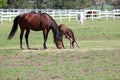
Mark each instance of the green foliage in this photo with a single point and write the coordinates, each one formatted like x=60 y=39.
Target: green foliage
x=20 y=4
x=57 y=4
x=3 y=3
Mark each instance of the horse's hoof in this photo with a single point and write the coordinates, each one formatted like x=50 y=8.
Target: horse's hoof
x=45 y=47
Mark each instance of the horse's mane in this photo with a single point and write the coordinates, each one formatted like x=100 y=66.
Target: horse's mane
x=55 y=25
x=54 y=22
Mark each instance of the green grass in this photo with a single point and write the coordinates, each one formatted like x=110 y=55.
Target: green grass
x=97 y=59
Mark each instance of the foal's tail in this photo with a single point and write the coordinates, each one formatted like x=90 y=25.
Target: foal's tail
x=14 y=28
x=77 y=44
x=72 y=35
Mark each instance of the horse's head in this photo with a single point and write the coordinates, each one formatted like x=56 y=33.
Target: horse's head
x=58 y=42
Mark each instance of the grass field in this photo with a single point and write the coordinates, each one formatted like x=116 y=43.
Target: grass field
x=97 y=59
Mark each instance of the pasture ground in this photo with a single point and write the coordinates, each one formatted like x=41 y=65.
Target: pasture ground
x=97 y=59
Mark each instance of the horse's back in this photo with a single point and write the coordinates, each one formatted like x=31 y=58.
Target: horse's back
x=30 y=21
x=31 y=18
x=45 y=19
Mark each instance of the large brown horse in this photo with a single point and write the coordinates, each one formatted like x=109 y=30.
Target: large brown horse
x=64 y=30
x=36 y=22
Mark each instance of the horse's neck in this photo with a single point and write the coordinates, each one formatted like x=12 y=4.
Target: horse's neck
x=55 y=32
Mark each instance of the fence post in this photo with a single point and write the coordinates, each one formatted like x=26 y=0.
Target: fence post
x=60 y=15
x=0 y=16
x=69 y=15
x=113 y=14
x=53 y=14
x=106 y=14
x=9 y=16
x=92 y=15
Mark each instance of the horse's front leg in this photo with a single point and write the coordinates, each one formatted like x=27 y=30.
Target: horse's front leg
x=26 y=37
x=21 y=37
x=45 y=33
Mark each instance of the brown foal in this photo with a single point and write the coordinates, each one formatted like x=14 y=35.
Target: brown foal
x=64 y=30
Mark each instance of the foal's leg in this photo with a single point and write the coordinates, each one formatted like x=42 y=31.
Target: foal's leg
x=62 y=43
x=68 y=37
x=26 y=37
x=73 y=43
x=21 y=37
x=45 y=33
x=70 y=43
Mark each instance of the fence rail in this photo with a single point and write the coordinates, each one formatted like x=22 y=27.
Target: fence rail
x=9 y=14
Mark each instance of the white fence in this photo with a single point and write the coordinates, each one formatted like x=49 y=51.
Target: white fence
x=9 y=14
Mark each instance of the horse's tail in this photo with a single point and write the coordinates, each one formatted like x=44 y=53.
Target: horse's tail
x=14 y=28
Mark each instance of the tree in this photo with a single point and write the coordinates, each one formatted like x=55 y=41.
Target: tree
x=58 y=4
x=101 y=2
x=43 y=3
x=98 y=2
x=76 y=4
x=20 y=4
x=116 y=3
x=3 y=3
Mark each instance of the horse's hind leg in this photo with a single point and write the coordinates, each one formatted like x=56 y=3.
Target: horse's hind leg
x=26 y=38
x=21 y=37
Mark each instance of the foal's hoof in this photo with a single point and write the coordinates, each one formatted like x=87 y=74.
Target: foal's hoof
x=29 y=48
x=22 y=48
